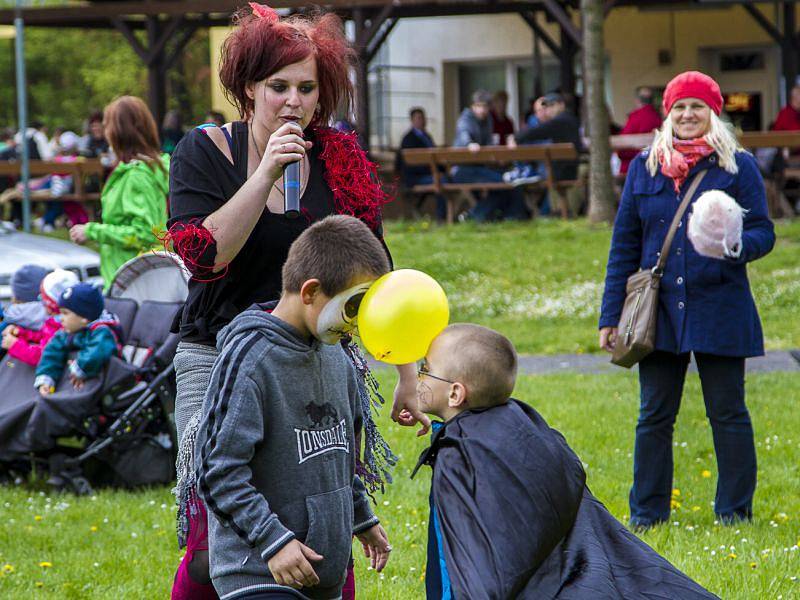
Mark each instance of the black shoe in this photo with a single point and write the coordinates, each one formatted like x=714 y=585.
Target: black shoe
x=795 y=354
x=643 y=526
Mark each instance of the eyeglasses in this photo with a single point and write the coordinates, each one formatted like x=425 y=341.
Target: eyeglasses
x=422 y=371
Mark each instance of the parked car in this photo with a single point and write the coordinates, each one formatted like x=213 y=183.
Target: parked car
x=17 y=249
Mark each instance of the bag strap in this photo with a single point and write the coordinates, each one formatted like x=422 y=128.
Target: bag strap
x=673 y=228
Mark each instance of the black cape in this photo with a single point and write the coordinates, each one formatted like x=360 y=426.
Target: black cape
x=517 y=520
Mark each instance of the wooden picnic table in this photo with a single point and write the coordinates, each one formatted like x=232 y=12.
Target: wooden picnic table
x=79 y=170
x=440 y=160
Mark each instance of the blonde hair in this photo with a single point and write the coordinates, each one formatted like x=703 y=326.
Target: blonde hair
x=720 y=136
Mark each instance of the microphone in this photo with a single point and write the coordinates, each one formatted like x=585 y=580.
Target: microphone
x=291 y=190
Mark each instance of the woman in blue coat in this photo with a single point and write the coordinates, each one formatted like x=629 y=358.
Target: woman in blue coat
x=705 y=304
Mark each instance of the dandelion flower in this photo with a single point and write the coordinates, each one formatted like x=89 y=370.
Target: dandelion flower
x=39 y=584
x=753 y=565
x=7 y=568
x=676 y=492
x=695 y=508
x=732 y=555
x=37 y=518
x=706 y=474
x=93 y=528
x=45 y=565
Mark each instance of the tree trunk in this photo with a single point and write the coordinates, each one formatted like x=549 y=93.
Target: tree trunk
x=602 y=204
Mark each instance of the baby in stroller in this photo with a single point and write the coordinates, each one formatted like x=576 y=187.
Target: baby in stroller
x=86 y=328
x=31 y=323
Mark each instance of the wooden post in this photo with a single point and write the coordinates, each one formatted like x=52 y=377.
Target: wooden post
x=362 y=80
x=156 y=74
x=789 y=48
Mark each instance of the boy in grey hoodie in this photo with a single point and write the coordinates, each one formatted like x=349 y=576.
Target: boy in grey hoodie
x=276 y=451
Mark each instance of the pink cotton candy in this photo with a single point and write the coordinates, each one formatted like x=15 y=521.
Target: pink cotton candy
x=715 y=225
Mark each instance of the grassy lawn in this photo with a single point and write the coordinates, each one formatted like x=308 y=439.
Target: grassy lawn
x=122 y=545
x=540 y=284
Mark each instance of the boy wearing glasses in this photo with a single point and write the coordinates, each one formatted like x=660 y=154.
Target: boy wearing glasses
x=511 y=516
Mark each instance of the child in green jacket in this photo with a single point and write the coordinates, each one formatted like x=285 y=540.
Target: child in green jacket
x=88 y=329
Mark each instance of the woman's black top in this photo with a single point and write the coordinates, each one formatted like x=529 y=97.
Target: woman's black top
x=202 y=179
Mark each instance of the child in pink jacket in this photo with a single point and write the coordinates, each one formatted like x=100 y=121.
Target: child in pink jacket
x=27 y=343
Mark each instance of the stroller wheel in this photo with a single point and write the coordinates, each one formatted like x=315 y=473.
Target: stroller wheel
x=80 y=486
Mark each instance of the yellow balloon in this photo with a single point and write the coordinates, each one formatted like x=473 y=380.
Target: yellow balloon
x=401 y=314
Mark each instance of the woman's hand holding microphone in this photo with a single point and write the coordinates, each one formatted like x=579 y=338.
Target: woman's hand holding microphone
x=286 y=145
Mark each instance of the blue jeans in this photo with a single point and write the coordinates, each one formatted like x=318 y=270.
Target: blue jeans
x=661 y=377
x=441 y=203
x=509 y=205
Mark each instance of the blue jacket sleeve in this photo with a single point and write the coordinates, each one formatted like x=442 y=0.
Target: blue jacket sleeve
x=758 y=232
x=101 y=346
x=625 y=253
x=54 y=358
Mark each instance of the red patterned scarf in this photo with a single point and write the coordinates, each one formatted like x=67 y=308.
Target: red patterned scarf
x=685 y=155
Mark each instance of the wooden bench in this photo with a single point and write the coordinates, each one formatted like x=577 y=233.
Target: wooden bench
x=440 y=160
x=79 y=170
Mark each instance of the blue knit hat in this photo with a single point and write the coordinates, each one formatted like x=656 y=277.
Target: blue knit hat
x=25 y=282
x=84 y=300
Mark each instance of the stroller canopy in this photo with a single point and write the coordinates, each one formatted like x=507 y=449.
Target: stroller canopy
x=159 y=276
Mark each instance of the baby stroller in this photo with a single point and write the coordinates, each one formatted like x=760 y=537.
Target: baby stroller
x=119 y=429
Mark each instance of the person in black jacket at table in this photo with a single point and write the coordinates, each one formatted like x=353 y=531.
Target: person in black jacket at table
x=561 y=127
x=418 y=137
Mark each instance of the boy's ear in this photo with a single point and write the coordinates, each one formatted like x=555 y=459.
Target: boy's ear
x=250 y=90
x=309 y=290
x=458 y=396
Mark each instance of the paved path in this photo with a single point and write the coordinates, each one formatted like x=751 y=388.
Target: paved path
x=596 y=363
x=599 y=364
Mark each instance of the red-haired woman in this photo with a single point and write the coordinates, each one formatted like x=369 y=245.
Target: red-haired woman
x=288 y=78
x=134 y=198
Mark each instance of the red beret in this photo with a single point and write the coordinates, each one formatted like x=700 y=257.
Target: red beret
x=693 y=84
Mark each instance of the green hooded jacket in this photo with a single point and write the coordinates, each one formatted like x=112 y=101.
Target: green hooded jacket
x=134 y=202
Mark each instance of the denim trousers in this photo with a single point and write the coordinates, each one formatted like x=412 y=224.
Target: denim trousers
x=505 y=204
x=661 y=378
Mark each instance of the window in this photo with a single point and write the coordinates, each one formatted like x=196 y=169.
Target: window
x=741 y=61
x=489 y=76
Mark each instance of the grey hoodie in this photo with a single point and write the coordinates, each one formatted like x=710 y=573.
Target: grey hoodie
x=276 y=455
x=469 y=129
x=28 y=315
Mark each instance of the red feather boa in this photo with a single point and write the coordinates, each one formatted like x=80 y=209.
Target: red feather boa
x=352 y=177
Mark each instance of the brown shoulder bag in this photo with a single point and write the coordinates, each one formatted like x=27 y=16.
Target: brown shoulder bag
x=636 y=332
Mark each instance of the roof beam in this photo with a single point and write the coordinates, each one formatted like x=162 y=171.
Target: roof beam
x=375 y=25
x=766 y=25
x=556 y=10
x=379 y=39
x=530 y=19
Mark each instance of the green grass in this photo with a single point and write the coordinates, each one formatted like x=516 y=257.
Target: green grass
x=132 y=553
x=122 y=544
x=540 y=283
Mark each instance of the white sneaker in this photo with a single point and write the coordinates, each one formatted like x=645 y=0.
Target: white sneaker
x=48 y=229
x=526 y=180
x=510 y=176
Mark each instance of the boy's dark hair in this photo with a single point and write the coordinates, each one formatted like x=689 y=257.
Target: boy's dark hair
x=414 y=111
x=484 y=361
x=335 y=250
